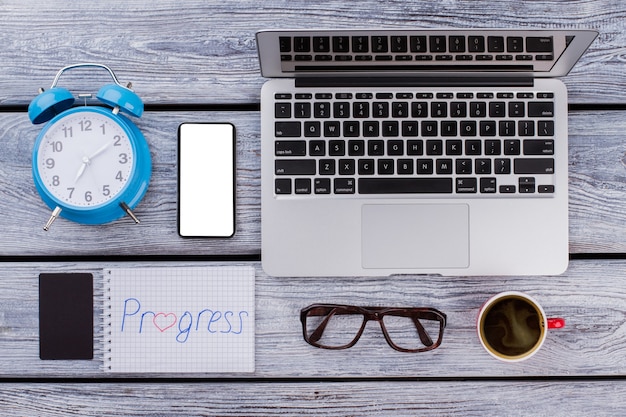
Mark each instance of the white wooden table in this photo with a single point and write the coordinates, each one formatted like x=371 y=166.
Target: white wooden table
x=197 y=61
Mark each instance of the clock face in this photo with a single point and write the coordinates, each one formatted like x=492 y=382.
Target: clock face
x=85 y=159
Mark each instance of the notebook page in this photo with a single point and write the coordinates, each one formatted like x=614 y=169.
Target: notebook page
x=184 y=320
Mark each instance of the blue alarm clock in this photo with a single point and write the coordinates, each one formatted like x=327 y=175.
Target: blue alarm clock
x=91 y=164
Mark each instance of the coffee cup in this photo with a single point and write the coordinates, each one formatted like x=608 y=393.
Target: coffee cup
x=512 y=326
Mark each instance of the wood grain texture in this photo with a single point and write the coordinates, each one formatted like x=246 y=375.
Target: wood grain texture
x=591 y=344
x=205 y=51
x=597 y=192
x=404 y=398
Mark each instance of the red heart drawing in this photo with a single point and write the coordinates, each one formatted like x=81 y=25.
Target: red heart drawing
x=164 y=321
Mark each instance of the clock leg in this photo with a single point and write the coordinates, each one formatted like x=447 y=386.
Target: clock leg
x=129 y=212
x=53 y=217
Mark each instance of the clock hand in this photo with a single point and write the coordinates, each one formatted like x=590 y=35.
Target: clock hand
x=87 y=161
x=82 y=168
x=99 y=151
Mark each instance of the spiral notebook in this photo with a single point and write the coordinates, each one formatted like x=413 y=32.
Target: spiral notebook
x=183 y=320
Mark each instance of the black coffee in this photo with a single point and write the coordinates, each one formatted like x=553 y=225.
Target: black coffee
x=512 y=327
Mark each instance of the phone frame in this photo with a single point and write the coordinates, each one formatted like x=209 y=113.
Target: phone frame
x=233 y=176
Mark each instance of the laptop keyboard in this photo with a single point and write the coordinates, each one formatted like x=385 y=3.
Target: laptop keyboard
x=441 y=47
x=480 y=143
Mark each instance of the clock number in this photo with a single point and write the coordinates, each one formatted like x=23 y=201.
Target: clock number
x=67 y=131
x=119 y=176
x=57 y=146
x=71 y=190
x=118 y=140
x=49 y=163
x=56 y=181
x=88 y=196
x=85 y=125
x=105 y=191
x=102 y=126
x=123 y=158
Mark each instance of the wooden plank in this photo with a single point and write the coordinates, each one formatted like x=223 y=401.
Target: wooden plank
x=597 y=190
x=205 y=52
x=590 y=296
x=403 y=398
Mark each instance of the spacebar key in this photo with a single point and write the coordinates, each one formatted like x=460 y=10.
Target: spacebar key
x=405 y=185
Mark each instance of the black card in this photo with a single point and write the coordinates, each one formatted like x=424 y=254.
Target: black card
x=66 y=316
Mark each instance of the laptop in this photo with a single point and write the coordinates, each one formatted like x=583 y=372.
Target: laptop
x=435 y=152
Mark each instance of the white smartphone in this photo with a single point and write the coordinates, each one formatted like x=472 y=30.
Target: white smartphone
x=206 y=180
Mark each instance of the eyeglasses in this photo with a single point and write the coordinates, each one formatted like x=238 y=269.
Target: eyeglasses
x=333 y=326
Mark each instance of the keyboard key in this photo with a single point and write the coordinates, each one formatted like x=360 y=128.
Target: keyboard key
x=539 y=44
x=282 y=110
x=312 y=129
x=541 y=109
x=344 y=186
x=476 y=44
x=366 y=166
x=317 y=148
x=526 y=185
x=385 y=166
x=302 y=44
x=282 y=186
x=332 y=129
x=302 y=110
x=321 y=44
x=327 y=166
x=534 y=166
x=321 y=110
x=502 y=166
x=437 y=43
x=290 y=148
x=482 y=166
x=404 y=185
x=347 y=166
x=341 y=44
x=287 y=129
x=375 y=147
x=516 y=109
x=418 y=44
x=285 y=44
x=303 y=185
x=294 y=167
x=495 y=43
x=380 y=44
x=322 y=186
x=514 y=44
x=538 y=147
x=466 y=185
x=360 y=44
x=399 y=44
x=545 y=128
x=488 y=185
x=443 y=166
x=336 y=148
x=456 y=44
x=356 y=147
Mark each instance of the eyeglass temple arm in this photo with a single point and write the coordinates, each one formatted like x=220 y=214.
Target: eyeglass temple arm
x=317 y=334
x=424 y=337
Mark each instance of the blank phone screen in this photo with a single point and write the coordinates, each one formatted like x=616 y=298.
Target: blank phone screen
x=206 y=180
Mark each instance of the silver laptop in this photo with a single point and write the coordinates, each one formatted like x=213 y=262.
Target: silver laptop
x=415 y=151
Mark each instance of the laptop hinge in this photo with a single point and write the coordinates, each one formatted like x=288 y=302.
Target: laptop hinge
x=468 y=81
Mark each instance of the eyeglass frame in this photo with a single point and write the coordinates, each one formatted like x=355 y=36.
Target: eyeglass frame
x=377 y=314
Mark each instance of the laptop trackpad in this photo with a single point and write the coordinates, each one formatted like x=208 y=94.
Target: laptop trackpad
x=415 y=236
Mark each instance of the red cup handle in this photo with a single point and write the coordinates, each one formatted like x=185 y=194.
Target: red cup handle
x=556 y=323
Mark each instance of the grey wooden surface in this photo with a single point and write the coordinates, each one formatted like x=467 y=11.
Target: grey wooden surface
x=196 y=61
